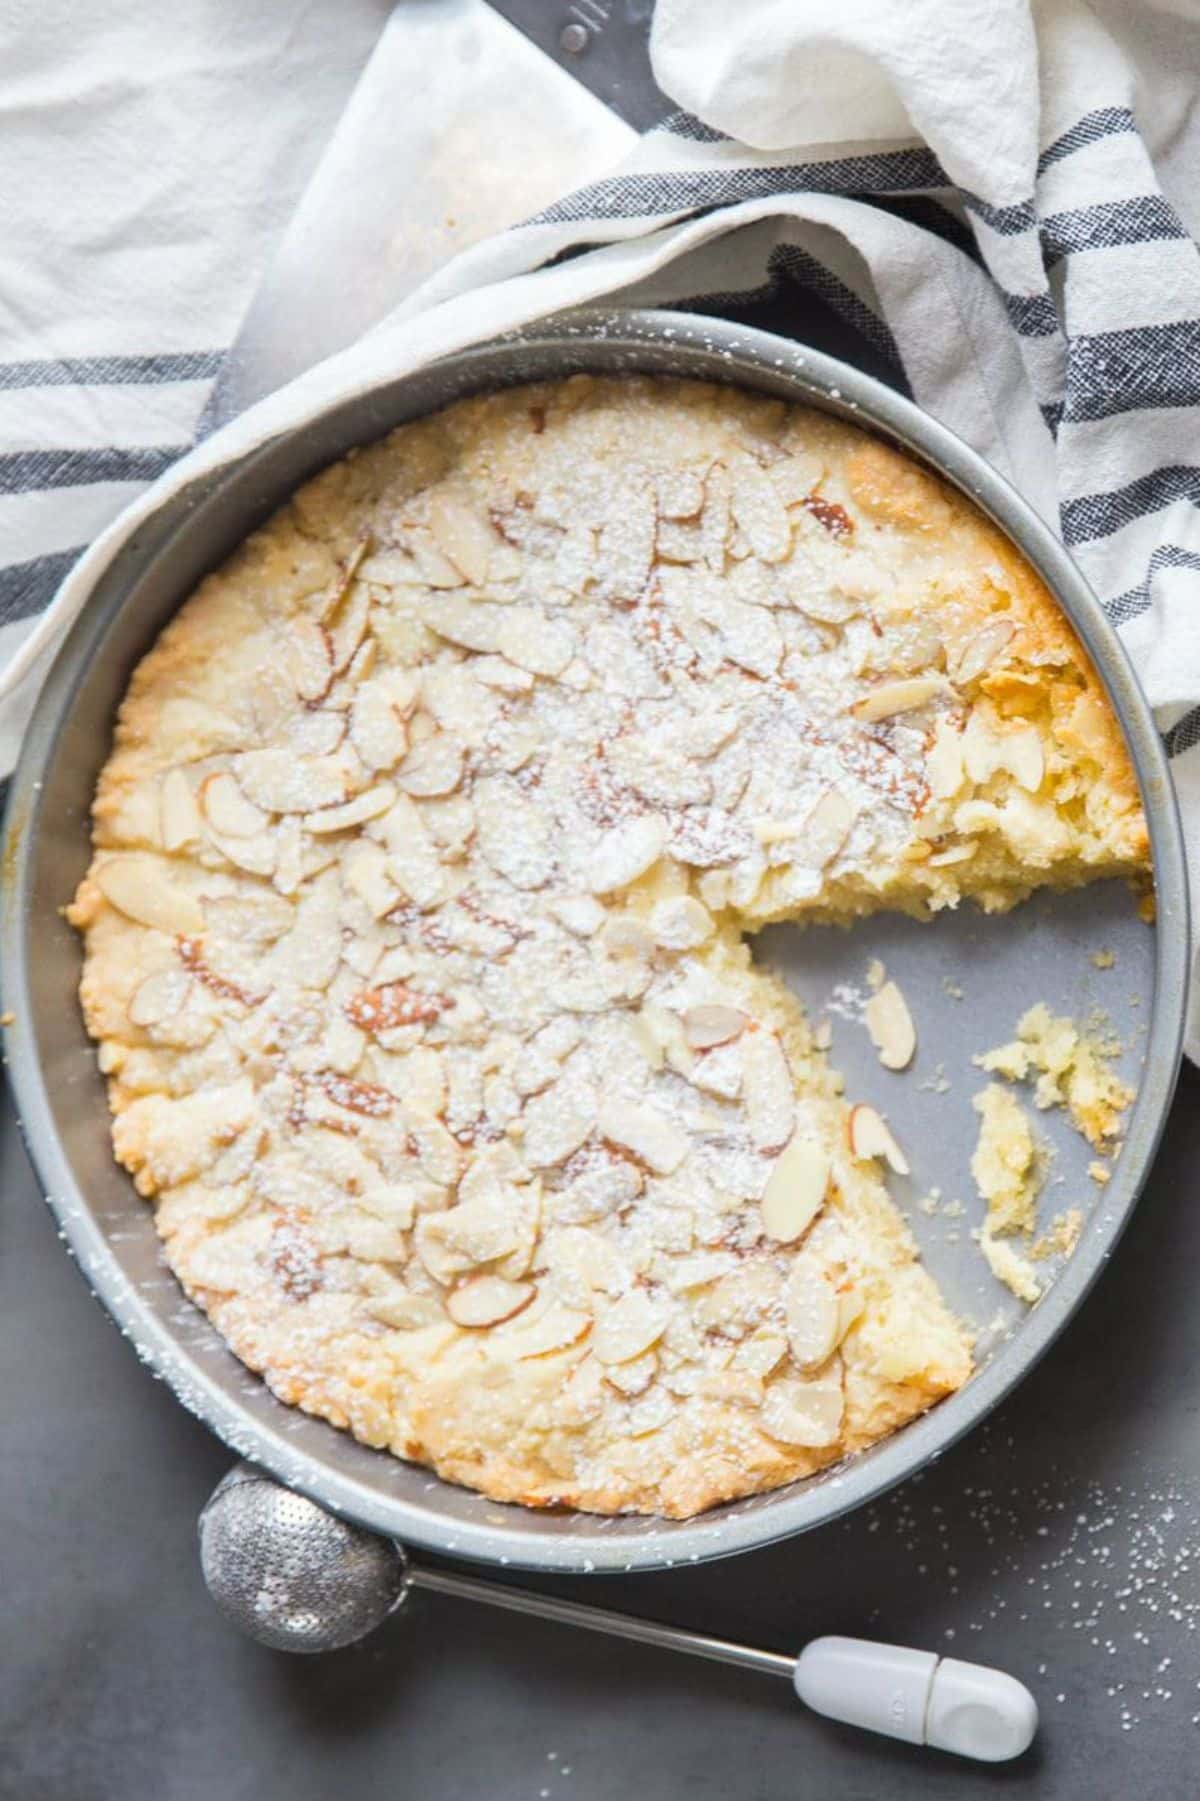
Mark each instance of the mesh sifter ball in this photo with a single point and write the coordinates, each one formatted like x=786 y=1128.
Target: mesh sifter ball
x=290 y=1574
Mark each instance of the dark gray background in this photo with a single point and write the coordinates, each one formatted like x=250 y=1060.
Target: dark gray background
x=119 y=1682
x=1062 y=1541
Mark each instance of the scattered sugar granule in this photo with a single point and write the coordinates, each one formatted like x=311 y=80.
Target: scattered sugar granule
x=937 y=1083
x=847 y=1001
x=1061 y=1238
x=1070 y=1068
x=951 y=987
x=1104 y=959
x=1100 y=1173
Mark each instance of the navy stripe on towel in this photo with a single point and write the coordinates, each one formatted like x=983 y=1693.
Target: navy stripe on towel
x=112 y=371
x=21 y=471
x=27 y=588
x=1099 y=515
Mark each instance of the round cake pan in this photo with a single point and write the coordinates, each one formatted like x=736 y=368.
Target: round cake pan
x=60 y=1095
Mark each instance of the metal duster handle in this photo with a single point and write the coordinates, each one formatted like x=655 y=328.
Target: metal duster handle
x=601 y=1619
x=299 y=1579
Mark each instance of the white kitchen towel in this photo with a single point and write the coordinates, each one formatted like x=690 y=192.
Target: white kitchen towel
x=1009 y=223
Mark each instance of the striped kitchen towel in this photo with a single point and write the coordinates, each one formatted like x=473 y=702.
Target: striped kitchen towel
x=1009 y=228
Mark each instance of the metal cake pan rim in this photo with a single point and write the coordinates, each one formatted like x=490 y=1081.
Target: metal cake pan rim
x=713 y=349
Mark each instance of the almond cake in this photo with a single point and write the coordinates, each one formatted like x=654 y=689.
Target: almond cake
x=416 y=930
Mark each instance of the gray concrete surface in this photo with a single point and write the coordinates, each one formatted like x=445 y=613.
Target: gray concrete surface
x=1026 y=1546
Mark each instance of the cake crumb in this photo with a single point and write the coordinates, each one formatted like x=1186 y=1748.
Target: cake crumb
x=876 y=975
x=1008 y=1266
x=937 y=1083
x=823 y=1034
x=1008 y=1163
x=1100 y=1173
x=1061 y=1238
x=1071 y=1067
x=1104 y=958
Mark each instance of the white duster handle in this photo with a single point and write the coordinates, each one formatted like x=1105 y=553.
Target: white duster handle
x=918 y=1697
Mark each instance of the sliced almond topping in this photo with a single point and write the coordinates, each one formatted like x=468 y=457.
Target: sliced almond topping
x=705 y=1026
x=954 y=853
x=581 y=914
x=870 y=1137
x=629 y=1327
x=338 y=590
x=740 y=1387
x=627 y=538
x=284 y=783
x=488 y=1301
x=227 y=809
x=769 y=1092
x=179 y=819
x=533 y=642
x=367 y=805
x=514 y=834
x=309 y=658
x=944 y=763
x=556 y=1123
x=826 y=829
x=851 y=1304
x=626 y=852
x=976 y=656
x=139 y=886
x=890 y=698
x=393 y=1201
x=795 y=1191
x=679 y=543
x=634 y=1377
x=761 y=1353
x=257 y=856
x=366 y=873
x=289 y=854
x=811 y=1308
x=682 y=923
x=645 y=1133
x=473 y=624
x=350 y=627
x=462 y=534
x=554 y=1330
x=891 y=1027
x=808 y=1414
x=317 y=734
x=161 y=996
x=651 y=1414
x=397 y=1306
x=715 y=519
x=435 y=569
x=761 y=514
x=680 y=493
x=377 y=731
x=432 y=767
x=796 y=475
x=498 y=672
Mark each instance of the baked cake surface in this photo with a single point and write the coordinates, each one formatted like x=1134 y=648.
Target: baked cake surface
x=415 y=930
